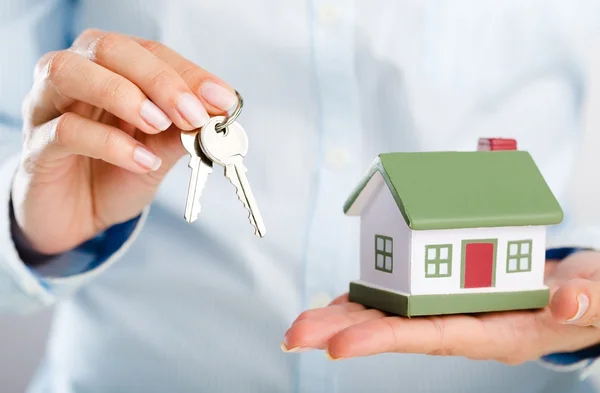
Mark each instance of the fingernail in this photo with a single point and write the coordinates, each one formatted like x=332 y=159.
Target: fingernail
x=154 y=116
x=192 y=110
x=582 y=305
x=328 y=355
x=284 y=348
x=146 y=158
x=218 y=96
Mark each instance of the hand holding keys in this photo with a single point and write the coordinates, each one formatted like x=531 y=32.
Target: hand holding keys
x=222 y=141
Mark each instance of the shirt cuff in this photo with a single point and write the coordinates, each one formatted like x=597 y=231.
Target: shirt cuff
x=65 y=275
x=83 y=258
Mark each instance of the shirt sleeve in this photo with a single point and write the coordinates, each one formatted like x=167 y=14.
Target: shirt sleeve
x=28 y=281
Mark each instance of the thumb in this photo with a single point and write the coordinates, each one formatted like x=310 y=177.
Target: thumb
x=577 y=302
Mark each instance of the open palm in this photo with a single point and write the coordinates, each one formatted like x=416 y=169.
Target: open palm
x=345 y=329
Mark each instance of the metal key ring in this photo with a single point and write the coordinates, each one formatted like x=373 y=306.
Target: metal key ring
x=230 y=119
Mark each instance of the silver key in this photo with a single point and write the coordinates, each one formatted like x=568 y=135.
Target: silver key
x=228 y=148
x=201 y=168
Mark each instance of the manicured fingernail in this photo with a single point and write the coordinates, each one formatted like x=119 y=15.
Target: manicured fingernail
x=192 y=110
x=328 y=355
x=582 y=305
x=154 y=116
x=146 y=159
x=284 y=348
x=218 y=96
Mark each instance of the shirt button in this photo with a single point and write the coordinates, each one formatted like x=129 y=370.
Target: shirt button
x=319 y=300
x=327 y=15
x=337 y=158
x=30 y=287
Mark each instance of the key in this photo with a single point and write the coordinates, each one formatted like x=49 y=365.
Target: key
x=228 y=148
x=201 y=168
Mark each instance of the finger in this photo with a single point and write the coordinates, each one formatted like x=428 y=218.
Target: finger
x=550 y=268
x=577 y=302
x=341 y=299
x=72 y=134
x=315 y=332
x=216 y=95
x=69 y=77
x=390 y=334
x=317 y=313
x=157 y=79
x=445 y=336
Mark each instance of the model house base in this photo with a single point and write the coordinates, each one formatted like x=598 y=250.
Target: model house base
x=440 y=304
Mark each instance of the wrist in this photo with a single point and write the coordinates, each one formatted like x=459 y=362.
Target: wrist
x=28 y=254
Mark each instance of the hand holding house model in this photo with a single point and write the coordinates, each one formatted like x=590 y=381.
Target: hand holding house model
x=453 y=232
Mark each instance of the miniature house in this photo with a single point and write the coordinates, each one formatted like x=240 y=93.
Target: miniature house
x=452 y=232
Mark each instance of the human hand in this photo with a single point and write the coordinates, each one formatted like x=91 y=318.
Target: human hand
x=101 y=129
x=346 y=329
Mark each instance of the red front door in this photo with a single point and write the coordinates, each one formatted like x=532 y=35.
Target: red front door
x=479 y=265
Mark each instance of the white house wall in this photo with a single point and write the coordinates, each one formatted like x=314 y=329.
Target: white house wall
x=382 y=217
x=503 y=281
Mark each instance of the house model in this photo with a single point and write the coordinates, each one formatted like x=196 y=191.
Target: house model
x=453 y=232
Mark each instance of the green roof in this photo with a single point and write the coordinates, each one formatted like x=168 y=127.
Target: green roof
x=450 y=190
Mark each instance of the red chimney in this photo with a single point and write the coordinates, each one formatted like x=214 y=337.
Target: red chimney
x=488 y=144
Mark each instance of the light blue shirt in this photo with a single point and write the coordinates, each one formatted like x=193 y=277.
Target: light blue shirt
x=159 y=305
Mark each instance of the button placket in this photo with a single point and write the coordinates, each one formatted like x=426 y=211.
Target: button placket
x=339 y=131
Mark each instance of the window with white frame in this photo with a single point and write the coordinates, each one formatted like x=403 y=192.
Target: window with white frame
x=438 y=260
